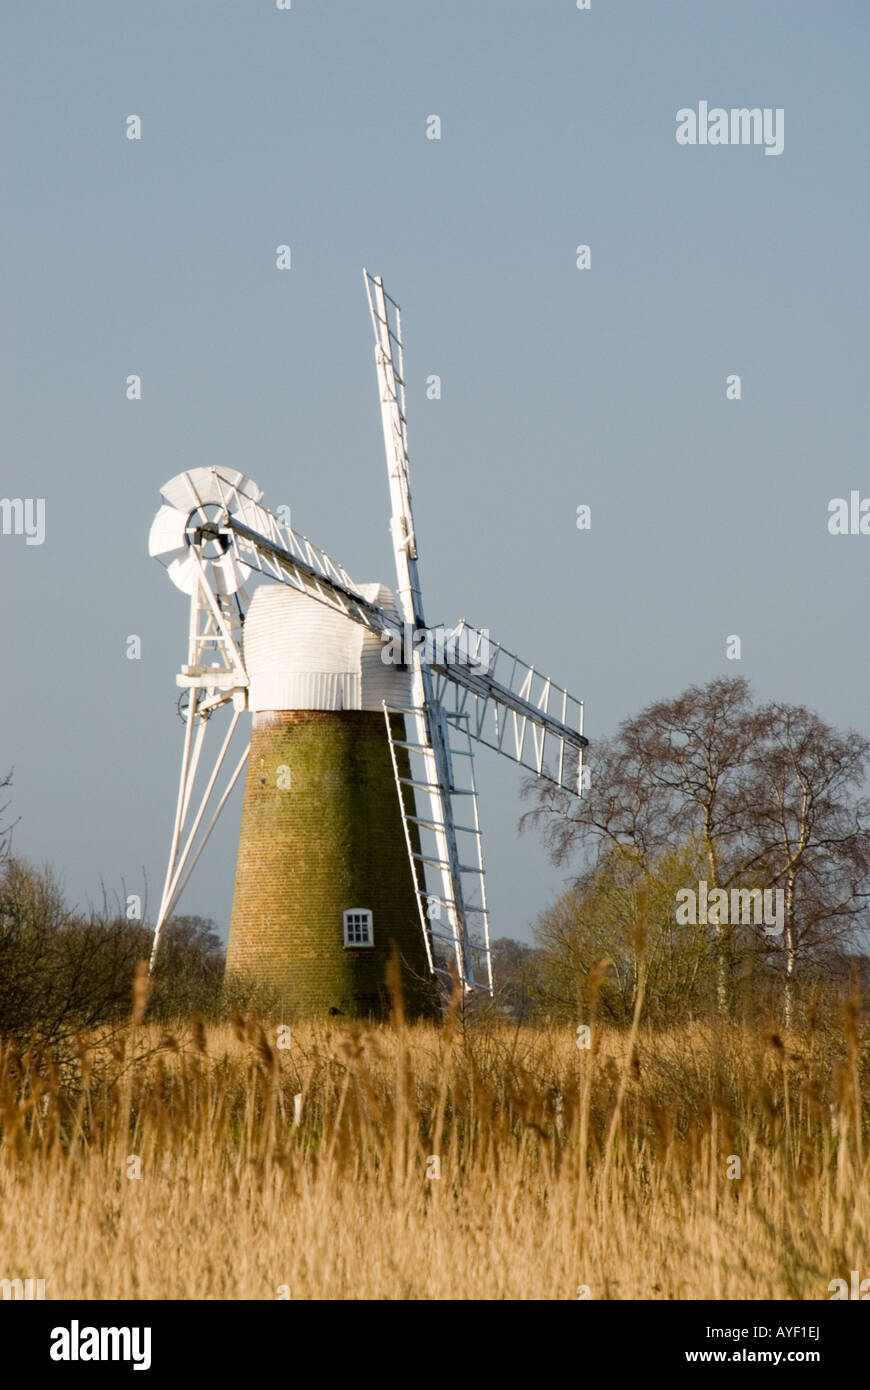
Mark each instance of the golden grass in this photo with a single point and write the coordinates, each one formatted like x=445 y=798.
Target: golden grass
x=560 y=1168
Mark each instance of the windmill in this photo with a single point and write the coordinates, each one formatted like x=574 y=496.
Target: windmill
x=360 y=828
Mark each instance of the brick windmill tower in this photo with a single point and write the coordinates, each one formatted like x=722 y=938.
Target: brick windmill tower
x=360 y=831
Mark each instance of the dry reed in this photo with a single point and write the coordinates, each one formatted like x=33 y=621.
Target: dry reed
x=269 y=1171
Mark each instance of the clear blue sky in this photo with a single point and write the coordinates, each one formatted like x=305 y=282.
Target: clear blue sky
x=560 y=387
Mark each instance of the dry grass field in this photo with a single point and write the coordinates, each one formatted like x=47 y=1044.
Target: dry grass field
x=562 y=1170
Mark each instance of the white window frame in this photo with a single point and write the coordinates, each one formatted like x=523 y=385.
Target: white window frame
x=350 y=912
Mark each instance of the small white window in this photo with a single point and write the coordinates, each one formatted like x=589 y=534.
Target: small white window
x=358 y=927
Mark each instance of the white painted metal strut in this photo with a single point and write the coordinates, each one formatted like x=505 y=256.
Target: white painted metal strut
x=419 y=879
x=219 y=683
x=432 y=905
x=279 y=562
x=515 y=710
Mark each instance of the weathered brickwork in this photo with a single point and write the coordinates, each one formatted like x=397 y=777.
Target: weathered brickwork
x=332 y=839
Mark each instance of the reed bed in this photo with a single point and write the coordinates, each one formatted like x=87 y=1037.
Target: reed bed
x=471 y=1160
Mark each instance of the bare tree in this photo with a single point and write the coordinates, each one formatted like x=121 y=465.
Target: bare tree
x=61 y=971
x=809 y=824
x=515 y=967
x=5 y=827
x=770 y=794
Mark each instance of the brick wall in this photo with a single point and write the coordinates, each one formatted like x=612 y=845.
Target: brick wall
x=331 y=840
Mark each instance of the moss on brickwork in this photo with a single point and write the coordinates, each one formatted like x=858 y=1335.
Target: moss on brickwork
x=322 y=832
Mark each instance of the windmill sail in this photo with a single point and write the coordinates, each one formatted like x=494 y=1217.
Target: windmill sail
x=457 y=701
x=430 y=735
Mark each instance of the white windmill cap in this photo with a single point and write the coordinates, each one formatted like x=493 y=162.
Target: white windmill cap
x=301 y=654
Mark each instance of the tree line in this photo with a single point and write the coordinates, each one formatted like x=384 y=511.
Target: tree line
x=706 y=789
